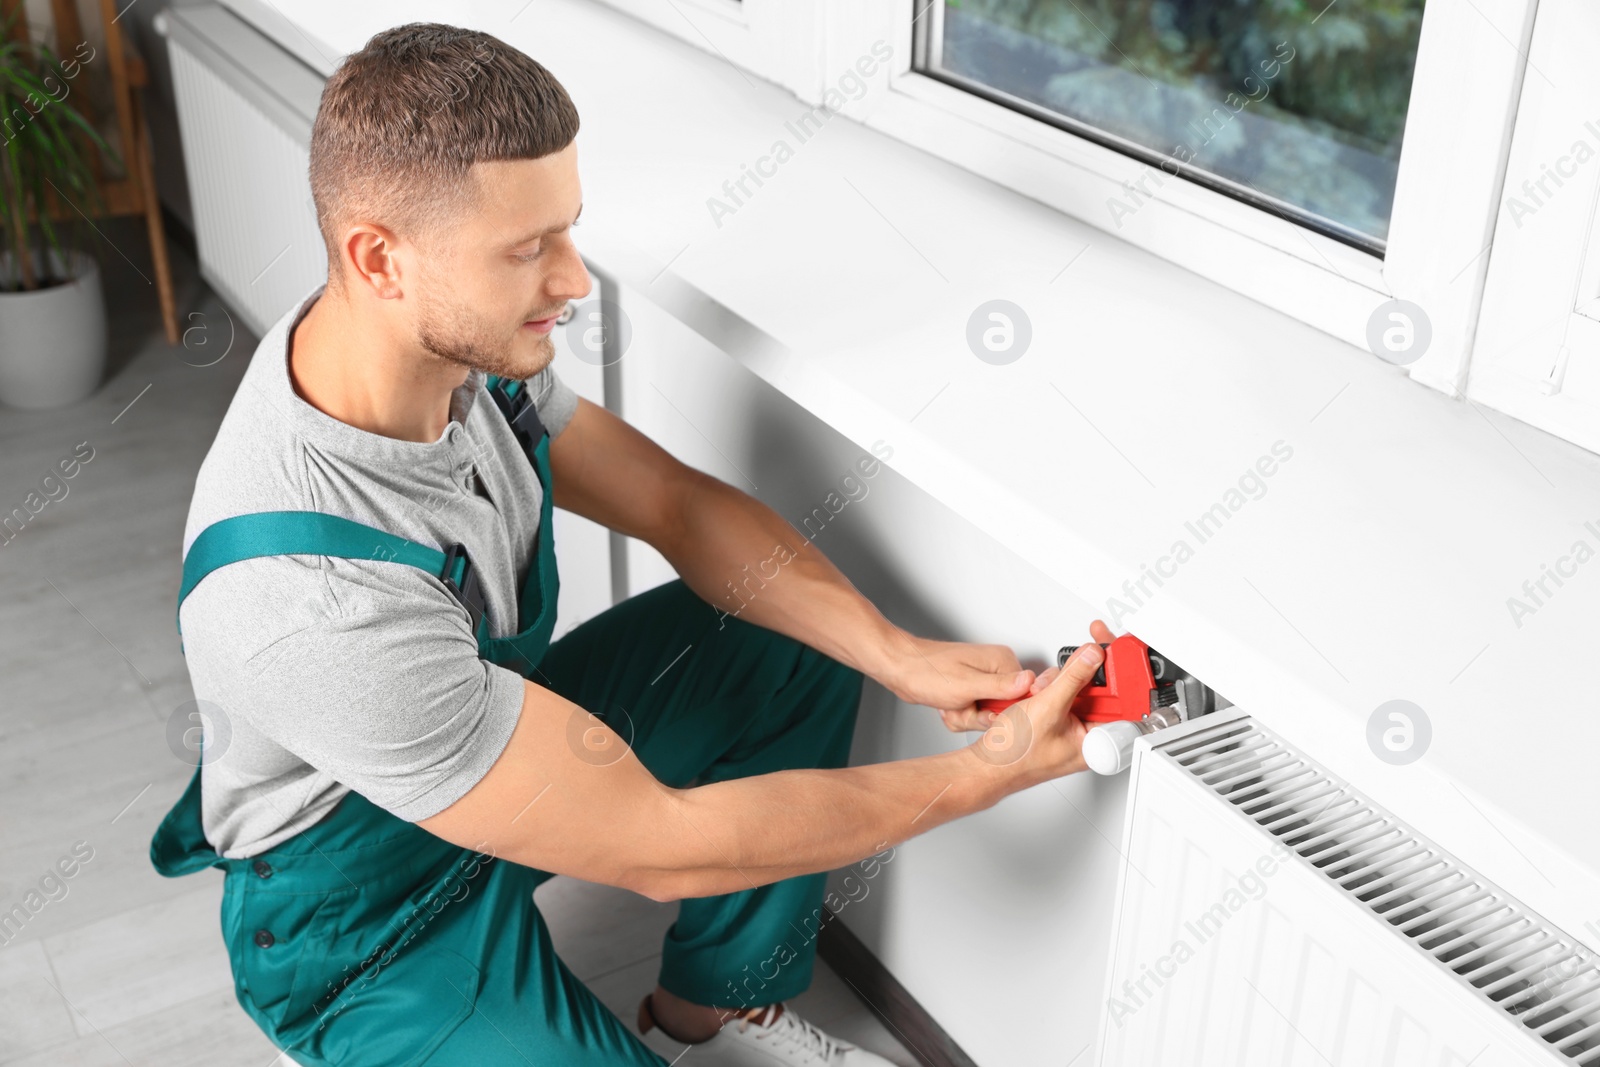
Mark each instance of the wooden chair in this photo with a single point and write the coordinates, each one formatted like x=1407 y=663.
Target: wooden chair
x=134 y=192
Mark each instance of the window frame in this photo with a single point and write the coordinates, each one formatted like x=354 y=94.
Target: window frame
x=1538 y=354
x=1447 y=197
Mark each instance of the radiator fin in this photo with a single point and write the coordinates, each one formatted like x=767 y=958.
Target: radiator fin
x=255 y=224
x=1514 y=960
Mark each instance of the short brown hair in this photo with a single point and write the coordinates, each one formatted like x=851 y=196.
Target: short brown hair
x=402 y=121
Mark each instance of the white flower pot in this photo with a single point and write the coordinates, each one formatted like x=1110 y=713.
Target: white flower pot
x=52 y=340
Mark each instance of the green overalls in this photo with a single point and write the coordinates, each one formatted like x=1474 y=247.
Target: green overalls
x=367 y=940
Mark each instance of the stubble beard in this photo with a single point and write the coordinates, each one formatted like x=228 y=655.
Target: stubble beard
x=454 y=336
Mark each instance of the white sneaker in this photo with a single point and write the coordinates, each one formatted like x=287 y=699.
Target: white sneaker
x=776 y=1037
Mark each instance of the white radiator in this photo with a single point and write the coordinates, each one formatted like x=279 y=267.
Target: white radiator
x=1267 y=914
x=245 y=108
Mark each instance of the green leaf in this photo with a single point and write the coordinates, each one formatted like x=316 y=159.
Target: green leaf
x=48 y=145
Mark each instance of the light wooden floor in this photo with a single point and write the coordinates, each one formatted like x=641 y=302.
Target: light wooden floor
x=128 y=967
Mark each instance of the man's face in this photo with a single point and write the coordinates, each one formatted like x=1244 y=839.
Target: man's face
x=489 y=293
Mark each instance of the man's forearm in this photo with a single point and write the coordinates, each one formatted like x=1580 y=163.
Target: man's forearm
x=741 y=557
x=734 y=835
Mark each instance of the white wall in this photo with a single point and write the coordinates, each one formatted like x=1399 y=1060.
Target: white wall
x=999 y=923
x=583 y=548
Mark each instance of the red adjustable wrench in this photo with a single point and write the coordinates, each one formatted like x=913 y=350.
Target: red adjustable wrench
x=1125 y=686
x=1138 y=691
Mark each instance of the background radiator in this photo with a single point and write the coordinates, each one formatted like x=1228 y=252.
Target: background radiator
x=1268 y=914
x=245 y=109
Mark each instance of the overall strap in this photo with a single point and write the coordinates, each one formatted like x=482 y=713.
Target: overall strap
x=312 y=533
x=537 y=600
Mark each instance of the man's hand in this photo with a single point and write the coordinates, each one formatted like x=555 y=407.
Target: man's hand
x=951 y=677
x=1039 y=738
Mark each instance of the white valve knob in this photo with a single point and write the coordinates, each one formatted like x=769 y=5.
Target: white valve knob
x=1108 y=748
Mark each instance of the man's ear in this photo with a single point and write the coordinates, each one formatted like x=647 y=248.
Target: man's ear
x=375 y=258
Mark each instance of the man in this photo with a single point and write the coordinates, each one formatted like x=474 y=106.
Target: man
x=401 y=754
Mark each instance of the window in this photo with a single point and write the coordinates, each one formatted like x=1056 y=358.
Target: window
x=1326 y=158
x=1297 y=111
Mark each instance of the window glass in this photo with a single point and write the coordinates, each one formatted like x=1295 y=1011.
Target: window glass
x=1297 y=108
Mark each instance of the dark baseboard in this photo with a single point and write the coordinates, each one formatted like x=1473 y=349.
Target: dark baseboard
x=887 y=998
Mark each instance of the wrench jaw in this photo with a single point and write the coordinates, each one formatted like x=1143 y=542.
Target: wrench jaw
x=1135 y=680
x=1173 y=696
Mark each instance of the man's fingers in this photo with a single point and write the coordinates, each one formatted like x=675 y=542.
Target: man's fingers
x=998 y=659
x=1002 y=684
x=959 y=721
x=1101 y=632
x=1076 y=673
x=989 y=686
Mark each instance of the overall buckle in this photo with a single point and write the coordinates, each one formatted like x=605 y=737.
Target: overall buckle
x=520 y=412
x=469 y=592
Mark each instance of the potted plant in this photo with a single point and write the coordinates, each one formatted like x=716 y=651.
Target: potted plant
x=52 y=314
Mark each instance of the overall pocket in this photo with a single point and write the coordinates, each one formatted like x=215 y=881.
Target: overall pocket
x=281 y=956
x=402 y=1016
x=386 y=985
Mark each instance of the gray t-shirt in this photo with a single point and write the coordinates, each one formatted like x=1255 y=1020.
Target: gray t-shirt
x=328 y=675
